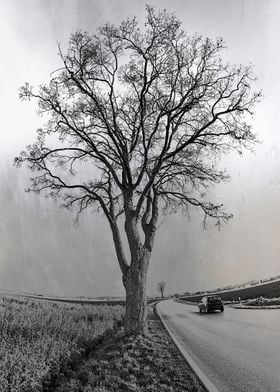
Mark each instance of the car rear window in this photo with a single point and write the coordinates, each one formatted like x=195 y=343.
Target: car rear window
x=214 y=299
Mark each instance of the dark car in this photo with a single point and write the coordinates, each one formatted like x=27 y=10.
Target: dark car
x=209 y=303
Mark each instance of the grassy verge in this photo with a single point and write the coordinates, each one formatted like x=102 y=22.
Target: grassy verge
x=122 y=364
x=262 y=302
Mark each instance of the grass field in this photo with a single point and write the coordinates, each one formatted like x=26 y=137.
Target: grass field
x=40 y=340
x=49 y=346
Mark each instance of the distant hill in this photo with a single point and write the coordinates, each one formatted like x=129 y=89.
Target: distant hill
x=268 y=288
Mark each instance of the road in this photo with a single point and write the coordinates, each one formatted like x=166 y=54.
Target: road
x=238 y=350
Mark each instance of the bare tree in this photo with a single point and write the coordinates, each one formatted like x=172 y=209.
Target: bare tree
x=161 y=288
x=137 y=119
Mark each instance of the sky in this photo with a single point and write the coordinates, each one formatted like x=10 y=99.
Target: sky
x=43 y=251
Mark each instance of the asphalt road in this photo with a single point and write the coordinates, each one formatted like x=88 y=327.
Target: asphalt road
x=238 y=350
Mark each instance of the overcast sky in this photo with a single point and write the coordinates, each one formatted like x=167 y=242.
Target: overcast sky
x=43 y=251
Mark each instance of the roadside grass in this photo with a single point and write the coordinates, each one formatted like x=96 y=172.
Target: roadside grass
x=261 y=301
x=40 y=340
x=54 y=347
x=120 y=363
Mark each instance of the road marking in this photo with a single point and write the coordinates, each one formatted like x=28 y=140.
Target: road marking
x=202 y=377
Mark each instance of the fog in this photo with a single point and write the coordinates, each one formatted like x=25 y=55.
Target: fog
x=43 y=251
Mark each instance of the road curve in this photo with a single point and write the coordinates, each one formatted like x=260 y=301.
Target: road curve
x=238 y=350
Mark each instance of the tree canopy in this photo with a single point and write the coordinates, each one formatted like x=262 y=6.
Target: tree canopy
x=138 y=117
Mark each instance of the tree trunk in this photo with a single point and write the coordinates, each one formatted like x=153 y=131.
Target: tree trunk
x=136 y=302
x=135 y=274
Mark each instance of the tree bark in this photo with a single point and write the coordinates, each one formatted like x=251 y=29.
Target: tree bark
x=136 y=301
x=135 y=274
